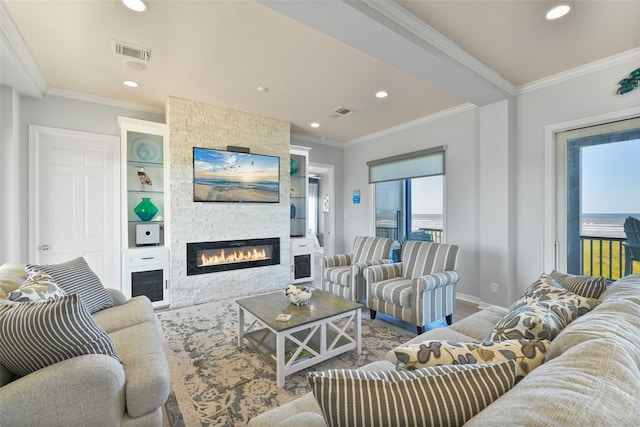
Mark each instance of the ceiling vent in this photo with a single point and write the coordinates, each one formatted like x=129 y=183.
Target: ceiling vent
x=131 y=51
x=341 y=111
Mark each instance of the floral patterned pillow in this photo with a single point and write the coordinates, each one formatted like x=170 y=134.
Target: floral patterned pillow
x=527 y=354
x=538 y=321
x=38 y=287
x=545 y=289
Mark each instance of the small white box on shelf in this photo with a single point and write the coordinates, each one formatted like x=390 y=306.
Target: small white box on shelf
x=147 y=234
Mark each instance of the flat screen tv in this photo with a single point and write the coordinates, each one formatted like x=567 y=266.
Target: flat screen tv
x=228 y=176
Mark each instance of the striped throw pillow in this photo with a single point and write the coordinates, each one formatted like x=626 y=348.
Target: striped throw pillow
x=434 y=396
x=76 y=276
x=39 y=334
x=585 y=286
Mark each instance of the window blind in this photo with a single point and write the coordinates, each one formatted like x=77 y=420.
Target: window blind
x=416 y=164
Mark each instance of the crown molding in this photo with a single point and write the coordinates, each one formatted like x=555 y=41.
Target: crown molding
x=582 y=70
x=413 y=123
x=105 y=101
x=315 y=140
x=16 y=48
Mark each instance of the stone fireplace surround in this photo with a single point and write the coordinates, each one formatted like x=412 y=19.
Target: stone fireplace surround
x=194 y=124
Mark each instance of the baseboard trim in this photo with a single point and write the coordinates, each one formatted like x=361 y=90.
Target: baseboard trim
x=472 y=300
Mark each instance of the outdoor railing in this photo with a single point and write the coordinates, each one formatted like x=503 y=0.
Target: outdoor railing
x=392 y=233
x=600 y=256
x=603 y=256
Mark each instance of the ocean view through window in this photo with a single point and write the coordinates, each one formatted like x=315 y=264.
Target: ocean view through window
x=602 y=190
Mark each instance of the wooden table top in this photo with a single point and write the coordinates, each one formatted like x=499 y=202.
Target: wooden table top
x=321 y=305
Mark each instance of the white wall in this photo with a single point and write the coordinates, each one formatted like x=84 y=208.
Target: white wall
x=57 y=112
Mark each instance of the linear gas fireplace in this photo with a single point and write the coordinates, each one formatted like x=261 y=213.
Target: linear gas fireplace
x=211 y=257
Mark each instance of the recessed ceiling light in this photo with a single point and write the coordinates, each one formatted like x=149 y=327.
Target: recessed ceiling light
x=382 y=94
x=262 y=89
x=130 y=83
x=558 y=11
x=315 y=125
x=135 y=5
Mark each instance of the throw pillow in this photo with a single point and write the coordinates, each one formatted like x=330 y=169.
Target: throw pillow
x=585 y=286
x=11 y=277
x=546 y=289
x=435 y=396
x=528 y=354
x=530 y=322
x=38 y=286
x=75 y=276
x=39 y=334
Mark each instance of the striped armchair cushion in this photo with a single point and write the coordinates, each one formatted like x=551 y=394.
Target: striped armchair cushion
x=341 y=275
x=371 y=248
x=421 y=258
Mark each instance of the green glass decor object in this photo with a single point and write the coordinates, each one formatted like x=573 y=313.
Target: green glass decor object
x=146 y=210
x=294 y=167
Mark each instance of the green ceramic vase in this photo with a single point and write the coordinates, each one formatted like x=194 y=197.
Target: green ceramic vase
x=146 y=210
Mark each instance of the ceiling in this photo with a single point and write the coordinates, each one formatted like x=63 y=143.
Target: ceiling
x=313 y=56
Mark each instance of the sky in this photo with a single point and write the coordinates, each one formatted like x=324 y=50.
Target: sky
x=427 y=195
x=611 y=178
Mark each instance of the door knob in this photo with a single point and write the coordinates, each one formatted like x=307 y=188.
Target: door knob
x=44 y=247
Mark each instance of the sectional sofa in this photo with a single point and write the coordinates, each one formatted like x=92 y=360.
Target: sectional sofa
x=116 y=374
x=590 y=373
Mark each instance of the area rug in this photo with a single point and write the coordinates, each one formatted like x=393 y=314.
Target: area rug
x=217 y=383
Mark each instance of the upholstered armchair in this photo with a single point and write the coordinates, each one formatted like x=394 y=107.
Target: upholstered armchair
x=341 y=275
x=420 y=288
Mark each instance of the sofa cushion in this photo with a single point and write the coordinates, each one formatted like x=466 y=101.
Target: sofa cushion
x=135 y=311
x=75 y=276
x=395 y=291
x=39 y=334
x=594 y=383
x=477 y=324
x=536 y=321
x=38 y=286
x=145 y=365
x=528 y=354
x=615 y=319
x=546 y=289
x=440 y=395
x=586 y=286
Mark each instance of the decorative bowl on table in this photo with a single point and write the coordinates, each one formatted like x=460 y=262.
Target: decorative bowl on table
x=296 y=295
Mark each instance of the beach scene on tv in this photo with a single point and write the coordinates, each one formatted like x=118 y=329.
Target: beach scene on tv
x=225 y=176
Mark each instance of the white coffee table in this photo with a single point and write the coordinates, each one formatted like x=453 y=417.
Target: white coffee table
x=323 y=328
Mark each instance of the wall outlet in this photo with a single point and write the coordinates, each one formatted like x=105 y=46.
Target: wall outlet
x=495 y=288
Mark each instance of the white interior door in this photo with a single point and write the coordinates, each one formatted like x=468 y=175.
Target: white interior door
x=74 y=199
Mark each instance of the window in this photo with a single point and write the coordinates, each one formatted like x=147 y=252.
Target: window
x=597 y=189
x=409 y=195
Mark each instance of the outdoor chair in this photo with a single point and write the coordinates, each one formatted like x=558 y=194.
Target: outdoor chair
x=632 y=246
x=341 y=275
x=420 y=288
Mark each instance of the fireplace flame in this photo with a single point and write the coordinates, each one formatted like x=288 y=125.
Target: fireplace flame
x=249 y=254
